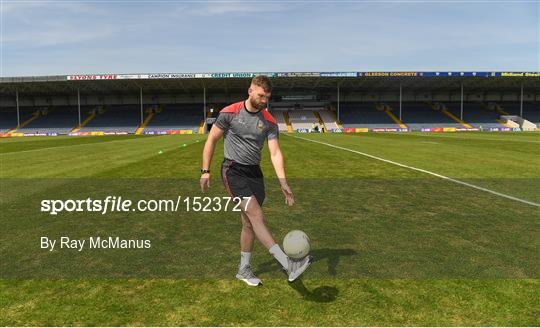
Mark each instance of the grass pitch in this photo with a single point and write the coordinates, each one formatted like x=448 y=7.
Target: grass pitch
x=394 y=246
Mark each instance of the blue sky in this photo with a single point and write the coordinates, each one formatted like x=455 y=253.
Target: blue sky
x=76 y=37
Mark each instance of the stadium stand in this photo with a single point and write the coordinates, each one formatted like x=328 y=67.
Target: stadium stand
x=293 y=115
x=26 y=116
x=116 y=118
x=511 y=108
x=302 y=119
x=416 y=116
x=511 y=115
x=329 y=119
x=278 y=115
x=364 y=115
x=8 y=119
x=420 y=115
x=300 y=100
x=53 y=120
x=177 y=117
x=476 y=114
x=531 y=112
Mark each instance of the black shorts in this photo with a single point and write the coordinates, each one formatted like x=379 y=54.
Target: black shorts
x=242 y=180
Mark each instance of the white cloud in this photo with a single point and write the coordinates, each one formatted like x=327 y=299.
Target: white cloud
x=230 y=7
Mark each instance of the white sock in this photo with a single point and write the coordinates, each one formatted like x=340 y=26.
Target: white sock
x=245 y=257
x=276 y=251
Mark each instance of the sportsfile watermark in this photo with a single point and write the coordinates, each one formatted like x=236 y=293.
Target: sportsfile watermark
x=406 y=228
x=111 y=204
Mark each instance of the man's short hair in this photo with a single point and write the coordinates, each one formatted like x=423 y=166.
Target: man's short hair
x=262 y=81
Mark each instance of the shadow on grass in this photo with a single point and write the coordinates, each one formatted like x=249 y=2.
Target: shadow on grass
x=331 y=256
x=322 y=294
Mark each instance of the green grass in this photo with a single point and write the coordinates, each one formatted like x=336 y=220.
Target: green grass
x=393 y=246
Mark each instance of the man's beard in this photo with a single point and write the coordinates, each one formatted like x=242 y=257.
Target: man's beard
x=257 y=105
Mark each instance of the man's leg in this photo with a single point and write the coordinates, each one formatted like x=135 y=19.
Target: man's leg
x=247 y=237
x=254 y=212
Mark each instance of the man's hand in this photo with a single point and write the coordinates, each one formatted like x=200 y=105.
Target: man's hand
x=208 y=152
x=205 y=182
x=287 y=192
x=277 y=160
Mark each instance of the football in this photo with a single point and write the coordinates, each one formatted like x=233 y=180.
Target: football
x=296 y=244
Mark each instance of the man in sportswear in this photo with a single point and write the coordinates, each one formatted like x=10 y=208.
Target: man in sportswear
x=245 y=126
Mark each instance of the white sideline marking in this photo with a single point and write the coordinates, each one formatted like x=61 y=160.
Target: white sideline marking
x=423 y=171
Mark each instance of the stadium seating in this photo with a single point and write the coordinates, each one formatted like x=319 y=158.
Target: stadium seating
x=302 y=119
x=126 y=118
x=329 y=119
x=511 y=108
x=364 y=115
x=531 y=112
x=26 y=115
x=420 y=115
x=278 y=115
x=177 y=117
x=476 y=114
x=8 y=119
x=57 y=120
x=119 y=118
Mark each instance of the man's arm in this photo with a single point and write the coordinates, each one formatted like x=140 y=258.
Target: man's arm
x=208 y=152
x=279 y=166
